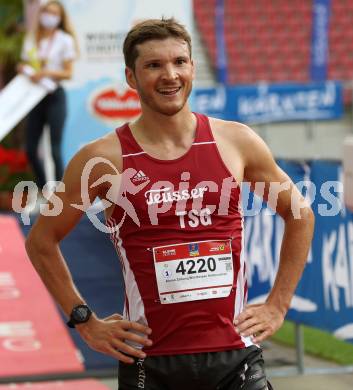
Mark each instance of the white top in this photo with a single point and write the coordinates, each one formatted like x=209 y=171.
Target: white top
x=53 y=51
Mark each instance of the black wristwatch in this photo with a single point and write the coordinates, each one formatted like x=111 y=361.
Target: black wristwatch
x=79 y=315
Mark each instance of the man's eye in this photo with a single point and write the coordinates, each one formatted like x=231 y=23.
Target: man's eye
x=181 y=61
x=153 y=65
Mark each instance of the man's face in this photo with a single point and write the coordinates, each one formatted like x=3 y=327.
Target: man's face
x=163 y=75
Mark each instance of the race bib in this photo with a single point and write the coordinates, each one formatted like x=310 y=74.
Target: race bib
x=194 y=271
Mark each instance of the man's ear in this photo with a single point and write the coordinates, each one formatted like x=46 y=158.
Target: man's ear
x=193 y=69
x=130 y=78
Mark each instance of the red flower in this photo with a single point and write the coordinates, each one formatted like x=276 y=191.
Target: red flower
x=15 y=160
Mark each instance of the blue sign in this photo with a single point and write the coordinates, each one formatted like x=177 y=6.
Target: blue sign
x=319 y=40
x=272 y=102
x=324 y=297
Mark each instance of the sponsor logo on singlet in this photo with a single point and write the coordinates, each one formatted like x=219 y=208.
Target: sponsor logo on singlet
x=140 y=177
x=165 y=195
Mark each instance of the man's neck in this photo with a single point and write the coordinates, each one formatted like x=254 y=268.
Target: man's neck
x=153 y=127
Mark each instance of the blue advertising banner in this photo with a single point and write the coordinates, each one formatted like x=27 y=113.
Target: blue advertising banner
x=221 y=55
x=319 y=40
x=324 y=297
x=272 y=102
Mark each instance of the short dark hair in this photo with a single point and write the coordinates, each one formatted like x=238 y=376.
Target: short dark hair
x=152 y=29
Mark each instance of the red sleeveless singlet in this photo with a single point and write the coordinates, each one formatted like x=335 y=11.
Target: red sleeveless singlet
x=189 y=200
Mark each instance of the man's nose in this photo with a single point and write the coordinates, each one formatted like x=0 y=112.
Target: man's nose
x=170 y=72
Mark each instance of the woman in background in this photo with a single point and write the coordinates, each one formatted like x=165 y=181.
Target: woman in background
x=48 y=53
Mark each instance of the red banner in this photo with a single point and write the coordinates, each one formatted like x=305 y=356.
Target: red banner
x=59 y=385
x=33 y=337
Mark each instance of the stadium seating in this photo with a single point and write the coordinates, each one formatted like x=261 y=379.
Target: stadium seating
x=341 y=41
x=271 y=40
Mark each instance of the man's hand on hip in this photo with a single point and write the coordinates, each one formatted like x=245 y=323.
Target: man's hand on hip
x=259 y=321
x=110 y=336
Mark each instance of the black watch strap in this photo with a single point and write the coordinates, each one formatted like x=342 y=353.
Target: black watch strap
x=79 y=315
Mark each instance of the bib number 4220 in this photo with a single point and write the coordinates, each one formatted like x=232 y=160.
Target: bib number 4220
x=198 y=266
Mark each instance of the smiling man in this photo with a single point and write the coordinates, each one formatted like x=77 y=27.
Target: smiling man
x=185 y=323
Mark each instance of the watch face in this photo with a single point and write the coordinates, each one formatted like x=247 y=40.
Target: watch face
x=80 y=313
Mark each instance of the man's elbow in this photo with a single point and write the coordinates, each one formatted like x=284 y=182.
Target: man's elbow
x=301 y=210
x=308 y=216
x=303 y=213
x=37 y=245
x=32 y=244
x=305 y=220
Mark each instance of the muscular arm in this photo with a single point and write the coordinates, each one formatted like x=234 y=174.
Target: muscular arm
x=283 y=196
x=43 y=249
x=42 y=243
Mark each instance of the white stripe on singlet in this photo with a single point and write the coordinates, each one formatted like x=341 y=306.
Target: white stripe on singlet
x=204 y=143
x=136 y=306
x=141 y=153
x=240 y=298
x=133 y=154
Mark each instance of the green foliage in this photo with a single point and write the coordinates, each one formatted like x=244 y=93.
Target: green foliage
x=11 y=35
x=10 y=12
x=13 y=162
x=317 y=343
x=9 y=181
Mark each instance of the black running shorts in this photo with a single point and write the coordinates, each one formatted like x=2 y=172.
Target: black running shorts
x=227 y=370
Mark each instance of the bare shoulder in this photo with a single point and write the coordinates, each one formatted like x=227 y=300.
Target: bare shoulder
x=106 y=149
x=92 y=162
x=232 y=130
x=237 y=136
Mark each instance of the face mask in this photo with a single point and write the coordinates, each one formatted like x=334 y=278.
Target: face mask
x=49 y=21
